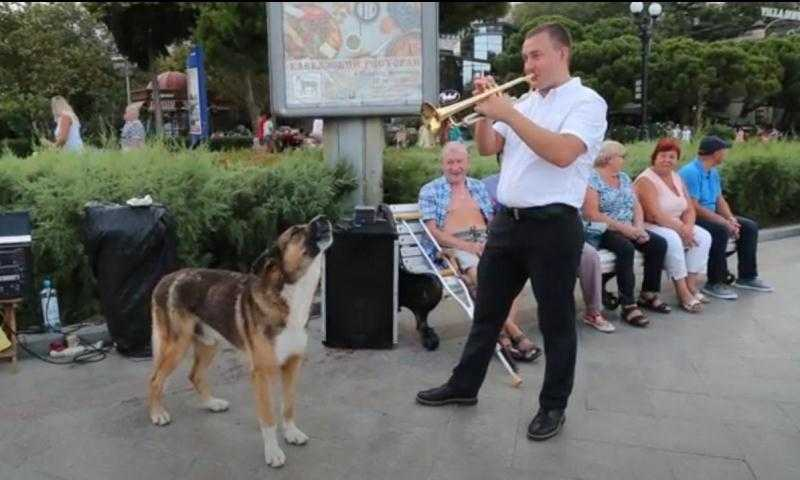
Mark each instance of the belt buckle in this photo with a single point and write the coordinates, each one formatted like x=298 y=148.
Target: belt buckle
x=516 y=213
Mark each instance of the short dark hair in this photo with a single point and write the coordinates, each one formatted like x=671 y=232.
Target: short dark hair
x=557 y=33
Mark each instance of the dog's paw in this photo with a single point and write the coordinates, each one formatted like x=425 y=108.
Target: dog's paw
x=160 y=417
x=217 y=404
x=274 y=456
x=293 y=435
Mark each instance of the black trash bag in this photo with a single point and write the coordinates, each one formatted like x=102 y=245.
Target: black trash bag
x=130 y=249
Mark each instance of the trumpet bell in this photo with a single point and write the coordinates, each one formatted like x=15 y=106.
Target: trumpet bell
x=433 y=118
x=430 y=117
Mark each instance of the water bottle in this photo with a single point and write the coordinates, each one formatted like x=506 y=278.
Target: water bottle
x=49 y=299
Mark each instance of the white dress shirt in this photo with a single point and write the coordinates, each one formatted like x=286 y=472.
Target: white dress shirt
x=526 y=179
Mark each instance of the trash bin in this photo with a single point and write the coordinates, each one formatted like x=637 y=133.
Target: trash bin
x=130 y=249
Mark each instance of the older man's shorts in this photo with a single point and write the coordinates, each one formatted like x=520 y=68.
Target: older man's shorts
x=467 y=260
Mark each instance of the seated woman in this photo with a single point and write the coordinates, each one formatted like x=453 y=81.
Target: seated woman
x=668 y=213
x=590 y=276
x=610 y=199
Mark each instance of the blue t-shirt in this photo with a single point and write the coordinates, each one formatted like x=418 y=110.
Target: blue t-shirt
x=617 y=203
x=704 y=186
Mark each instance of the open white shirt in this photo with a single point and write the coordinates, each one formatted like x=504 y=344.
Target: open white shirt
x=526 y=179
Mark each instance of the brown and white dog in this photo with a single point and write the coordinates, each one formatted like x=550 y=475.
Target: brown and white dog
x=262 y=314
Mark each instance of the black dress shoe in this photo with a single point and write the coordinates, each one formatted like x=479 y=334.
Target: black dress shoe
x=546 y=424
x=445 y=395
x=429 y=338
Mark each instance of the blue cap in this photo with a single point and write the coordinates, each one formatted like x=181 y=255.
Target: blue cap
x=711 y=144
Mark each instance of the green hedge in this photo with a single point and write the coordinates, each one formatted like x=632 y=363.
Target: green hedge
x=230 y=205
x=229 y=143
x=226 y=212
x=405 y=171
x=19 y=147
x=761 y=181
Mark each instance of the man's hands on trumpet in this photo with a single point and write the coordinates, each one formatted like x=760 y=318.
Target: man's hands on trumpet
x=495 y=107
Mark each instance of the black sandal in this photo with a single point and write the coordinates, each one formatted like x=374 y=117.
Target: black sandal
x=525 y=354
x=654 y=304
x=629 y=315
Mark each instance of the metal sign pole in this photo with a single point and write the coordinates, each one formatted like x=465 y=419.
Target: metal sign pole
x=359 y=142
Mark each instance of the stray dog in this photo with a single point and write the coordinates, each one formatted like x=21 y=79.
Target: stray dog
x=262 y=314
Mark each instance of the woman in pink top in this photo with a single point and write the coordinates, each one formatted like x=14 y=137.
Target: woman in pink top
x=668 y=213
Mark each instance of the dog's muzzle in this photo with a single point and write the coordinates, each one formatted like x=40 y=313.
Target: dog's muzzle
x=321 y=232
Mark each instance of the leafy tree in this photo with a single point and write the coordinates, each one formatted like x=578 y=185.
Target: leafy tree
x=143 y=31
x=53 y=49
x=740 y=74
x=785 y=51
x=234 y=36
x=711 y=21
x=455 y=16
x=581 y=12
x=609 y=66
x=609 y=29
x=679 y=78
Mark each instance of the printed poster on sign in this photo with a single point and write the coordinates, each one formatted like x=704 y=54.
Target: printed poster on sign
x=352 y=54
x=193 y=94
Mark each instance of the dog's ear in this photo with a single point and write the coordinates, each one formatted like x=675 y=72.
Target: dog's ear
x=271 y=254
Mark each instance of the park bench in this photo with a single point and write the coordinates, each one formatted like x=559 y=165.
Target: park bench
x=413 y=261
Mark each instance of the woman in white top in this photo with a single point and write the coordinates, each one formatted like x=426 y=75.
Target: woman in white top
x=68 y=127
x=669 y=214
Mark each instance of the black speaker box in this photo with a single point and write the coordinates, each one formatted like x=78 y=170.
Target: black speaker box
x=360 y=289
x=15 y=255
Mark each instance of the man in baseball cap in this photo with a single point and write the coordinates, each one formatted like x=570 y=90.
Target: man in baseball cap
x=704 y=185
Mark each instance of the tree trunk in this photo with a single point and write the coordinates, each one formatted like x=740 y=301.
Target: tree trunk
x=252 y=107
x=155 y=95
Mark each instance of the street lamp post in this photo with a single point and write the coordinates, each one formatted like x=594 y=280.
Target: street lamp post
x=122 y=65
x=645 y=22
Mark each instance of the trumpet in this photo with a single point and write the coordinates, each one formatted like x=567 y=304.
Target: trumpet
x=432 y=117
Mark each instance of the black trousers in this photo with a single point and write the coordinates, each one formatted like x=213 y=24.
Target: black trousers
x=745 y=248
x=544 y=247
x=653 y=251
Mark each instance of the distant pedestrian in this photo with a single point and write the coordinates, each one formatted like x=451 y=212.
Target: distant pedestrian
x=133 y=133
x=68 y=127
x=686 y=134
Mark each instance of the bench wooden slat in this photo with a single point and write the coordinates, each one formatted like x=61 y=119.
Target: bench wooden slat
x=408 y=216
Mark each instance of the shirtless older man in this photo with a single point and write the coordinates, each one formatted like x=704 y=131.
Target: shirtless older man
x=457 y=209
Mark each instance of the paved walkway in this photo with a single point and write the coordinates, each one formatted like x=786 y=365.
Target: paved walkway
x=691 y=397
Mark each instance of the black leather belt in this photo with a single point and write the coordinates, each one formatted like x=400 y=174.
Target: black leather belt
x=539 y=213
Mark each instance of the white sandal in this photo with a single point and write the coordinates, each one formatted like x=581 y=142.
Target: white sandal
x=702 y=298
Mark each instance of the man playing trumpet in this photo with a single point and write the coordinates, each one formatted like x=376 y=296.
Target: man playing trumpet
x=549 y=141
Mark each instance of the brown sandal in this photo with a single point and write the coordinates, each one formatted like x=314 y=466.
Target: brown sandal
x=633 y=316
x=693 y=307
x=654 y=304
